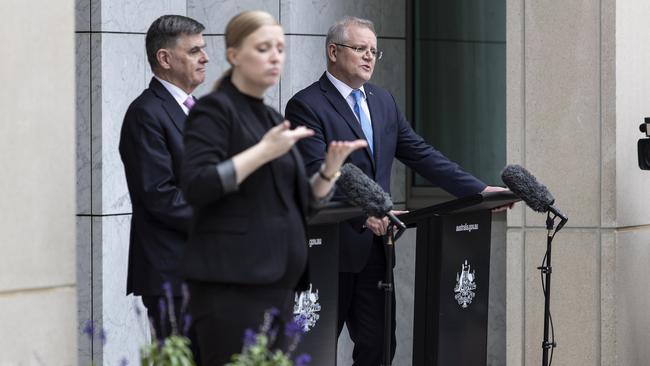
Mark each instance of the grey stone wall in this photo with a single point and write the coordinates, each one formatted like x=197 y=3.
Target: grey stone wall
x=577 y=89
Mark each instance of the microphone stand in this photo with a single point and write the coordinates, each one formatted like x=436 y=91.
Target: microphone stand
x=546 y=270
x=393 y=232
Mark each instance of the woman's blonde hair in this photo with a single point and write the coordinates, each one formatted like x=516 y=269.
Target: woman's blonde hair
x=240 y=27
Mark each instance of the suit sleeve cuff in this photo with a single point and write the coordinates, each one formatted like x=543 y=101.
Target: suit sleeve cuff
x=228 y=176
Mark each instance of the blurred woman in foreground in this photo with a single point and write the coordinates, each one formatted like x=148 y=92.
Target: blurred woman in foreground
x=247 y=250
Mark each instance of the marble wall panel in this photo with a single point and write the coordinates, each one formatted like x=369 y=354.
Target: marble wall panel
x=96 y=92
x=404 y=275
x=126 y=331
x=84 y=287
x=97 y=293
x=562 y=102
x=82 y=15
x=575 y=296
x=390 y=71
x=632 y=93
x=632 y=298
x=304 y=65
x=83 y=122
x=133 y=16
x=122 y=80
x=215 y=14
x=39 y=327
x=315 y=17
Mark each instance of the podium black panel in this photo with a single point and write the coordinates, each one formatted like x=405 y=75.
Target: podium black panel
x=321 y=339
x=463 y=279
x=452 y=279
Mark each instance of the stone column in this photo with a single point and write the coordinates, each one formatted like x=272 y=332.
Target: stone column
x=37 y=277
x=577 y=90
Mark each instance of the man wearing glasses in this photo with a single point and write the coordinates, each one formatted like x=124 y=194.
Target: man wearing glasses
x=342 y=105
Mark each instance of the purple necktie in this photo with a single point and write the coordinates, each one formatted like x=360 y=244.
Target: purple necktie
x=189 y=102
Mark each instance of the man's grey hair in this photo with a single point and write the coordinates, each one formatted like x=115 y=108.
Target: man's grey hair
x=164 y=32
x=338 y=32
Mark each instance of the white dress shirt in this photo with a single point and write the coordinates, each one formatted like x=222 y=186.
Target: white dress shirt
x=346 y=92
x=179 y=94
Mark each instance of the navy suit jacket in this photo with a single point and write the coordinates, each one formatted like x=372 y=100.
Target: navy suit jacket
x=321 y=107
x=151 y=147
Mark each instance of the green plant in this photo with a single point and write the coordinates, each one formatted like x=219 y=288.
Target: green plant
x=257 y=346
x=171 y=349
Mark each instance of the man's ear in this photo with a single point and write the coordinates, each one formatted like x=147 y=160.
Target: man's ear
x=331 y=52
x=164 y=58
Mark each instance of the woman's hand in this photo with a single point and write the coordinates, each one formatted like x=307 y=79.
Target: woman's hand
x=337 y=152
x=279 y=139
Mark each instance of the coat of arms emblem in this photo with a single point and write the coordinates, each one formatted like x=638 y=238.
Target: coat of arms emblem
x=306 y=308
x=465 y=286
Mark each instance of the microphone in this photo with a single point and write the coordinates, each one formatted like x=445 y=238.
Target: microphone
x=367 y=194
x=536 y=195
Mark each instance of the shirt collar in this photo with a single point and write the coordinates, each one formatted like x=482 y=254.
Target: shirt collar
x=179 y=94
x=342 y=87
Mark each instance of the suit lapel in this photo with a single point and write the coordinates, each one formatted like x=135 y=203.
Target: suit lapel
x=169 y=104
x=343 y=108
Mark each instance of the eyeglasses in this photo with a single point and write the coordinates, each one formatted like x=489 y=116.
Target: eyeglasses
x=363 y=50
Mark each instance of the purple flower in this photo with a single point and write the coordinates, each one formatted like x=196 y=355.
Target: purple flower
x=269 y=319
x=167 y=287
x=89 y=329
x=187 y=322
x=250 y=338
x=303 y=360
x=274 y=312
x=162 y=308
x=293 y=329
x=102 y=336
x=138 y=312
x=124 y=362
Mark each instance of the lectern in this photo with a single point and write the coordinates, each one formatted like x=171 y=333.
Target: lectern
x=319 y=305
x=452 y=279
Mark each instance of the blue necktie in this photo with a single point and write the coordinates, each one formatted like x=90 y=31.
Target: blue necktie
x=363 y=119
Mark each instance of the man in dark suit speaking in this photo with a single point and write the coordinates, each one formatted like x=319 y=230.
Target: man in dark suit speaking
x=151 y=146
x=342 y=105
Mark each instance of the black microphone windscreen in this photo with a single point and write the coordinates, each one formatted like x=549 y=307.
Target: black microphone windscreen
x=525 y=186
x=363 y=191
